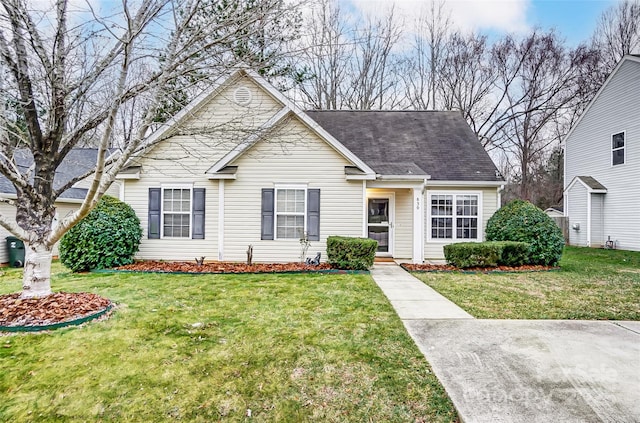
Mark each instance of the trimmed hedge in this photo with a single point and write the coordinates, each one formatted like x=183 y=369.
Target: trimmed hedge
x=487 y=254
x=108 y=236
x=522 y=221
x=351 y=253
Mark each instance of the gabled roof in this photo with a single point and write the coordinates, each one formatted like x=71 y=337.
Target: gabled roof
x=78 y=162
x=628 y=58
x=590 y=183
x=439 y=144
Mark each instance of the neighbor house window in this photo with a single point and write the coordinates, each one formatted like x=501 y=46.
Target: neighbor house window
x=454 y=216
x=290 y=212
x=617 y=148
x=176 y=212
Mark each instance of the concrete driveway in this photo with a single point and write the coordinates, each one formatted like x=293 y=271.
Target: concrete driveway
x=521 y=371
x=535 y=371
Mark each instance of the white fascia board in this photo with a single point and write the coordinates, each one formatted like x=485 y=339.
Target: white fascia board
x=128 y=175
x=363 y=177
x=595 y=98
x=219 y=176
x=466 y=183
x=58 y=200
x=313 y=125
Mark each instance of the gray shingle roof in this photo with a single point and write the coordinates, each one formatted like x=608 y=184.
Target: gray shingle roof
x=592 y=183
x=77 y=163
x=435 y=143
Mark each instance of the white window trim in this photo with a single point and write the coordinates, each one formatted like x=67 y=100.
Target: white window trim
x=162 y=212
x=454 y=238
x=623 y=148
x=275 y=209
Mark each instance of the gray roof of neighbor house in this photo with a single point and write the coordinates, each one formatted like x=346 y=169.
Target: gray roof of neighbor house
x=436 y=143
x=591 y=182
x=78 y=162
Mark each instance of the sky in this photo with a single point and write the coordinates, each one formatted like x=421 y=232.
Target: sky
x=573 y=19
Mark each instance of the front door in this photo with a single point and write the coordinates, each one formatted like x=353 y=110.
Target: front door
x=379 y=223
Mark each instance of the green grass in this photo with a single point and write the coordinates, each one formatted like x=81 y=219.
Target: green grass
x=592 y=285
x=290 y=348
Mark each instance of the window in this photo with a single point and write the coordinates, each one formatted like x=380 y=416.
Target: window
x=176 y=212
x=454 y=216
x=290 y=212
x=617 y=148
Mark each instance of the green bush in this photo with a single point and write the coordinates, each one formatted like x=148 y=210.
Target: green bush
x=522 y=221
x=487 y=254
x=473 y=254
x=108 y=236
x=514 y=253
x=351 y=253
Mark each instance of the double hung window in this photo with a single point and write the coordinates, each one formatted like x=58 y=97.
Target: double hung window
x=454 y=216
x=617 y=148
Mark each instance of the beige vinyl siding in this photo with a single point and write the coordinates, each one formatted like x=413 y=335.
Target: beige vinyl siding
x=293 y=156
x=577 y=200
x=488 y=197
x=403 y=226
x=588 y=153
x=184 y=159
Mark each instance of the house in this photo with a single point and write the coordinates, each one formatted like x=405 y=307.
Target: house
x=242 y=165
x=602 y=164
x=554 y=211
x=77 y=163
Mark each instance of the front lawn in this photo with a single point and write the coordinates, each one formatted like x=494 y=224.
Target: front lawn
x=591 y=284
x=212 y=347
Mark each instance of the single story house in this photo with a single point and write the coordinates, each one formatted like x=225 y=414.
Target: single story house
x=242 y=165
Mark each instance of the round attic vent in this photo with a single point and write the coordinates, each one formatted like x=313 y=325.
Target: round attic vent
x=242 y=96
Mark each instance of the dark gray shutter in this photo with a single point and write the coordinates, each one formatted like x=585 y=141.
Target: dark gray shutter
x=313 y=214
x=154 y=213
x=267 y=213
x=197 y=232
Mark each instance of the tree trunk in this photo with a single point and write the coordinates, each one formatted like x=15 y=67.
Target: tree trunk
x=36 y=280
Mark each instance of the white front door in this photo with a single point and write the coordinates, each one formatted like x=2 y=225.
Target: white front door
x=380 y=223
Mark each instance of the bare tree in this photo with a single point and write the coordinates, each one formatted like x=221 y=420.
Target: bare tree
x=617 y=34
x=423 y=73
x=72 y=76
x=538 y=78
x=370 y=70
x=324 y=54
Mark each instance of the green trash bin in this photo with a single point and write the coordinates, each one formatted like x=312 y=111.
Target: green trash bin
x=15 y=246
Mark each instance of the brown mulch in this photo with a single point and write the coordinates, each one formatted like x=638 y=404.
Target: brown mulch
x=55 y=308
x=449 y=268
x=220 y=267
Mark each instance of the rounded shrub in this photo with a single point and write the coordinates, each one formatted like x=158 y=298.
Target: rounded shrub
x=108 y=236
x=522 y=221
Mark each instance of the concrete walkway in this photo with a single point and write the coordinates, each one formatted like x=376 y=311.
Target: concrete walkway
x=520 y=371
x=411 y=298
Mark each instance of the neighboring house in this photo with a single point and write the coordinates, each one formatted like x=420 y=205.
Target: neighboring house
x=242 y=165
x=77 y=163
x=602 y=164
x=554 y=211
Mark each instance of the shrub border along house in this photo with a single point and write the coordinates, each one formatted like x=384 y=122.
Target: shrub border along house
x=351 y=253
x=487 y=254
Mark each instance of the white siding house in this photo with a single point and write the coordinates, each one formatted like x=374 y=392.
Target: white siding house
x=602 y=164
x=259 y=171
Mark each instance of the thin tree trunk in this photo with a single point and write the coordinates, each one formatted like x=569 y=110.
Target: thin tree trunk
x=36 y=280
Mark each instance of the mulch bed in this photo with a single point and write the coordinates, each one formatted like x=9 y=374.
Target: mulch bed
x=220 y=267
x=448 y=268
x=55 y=308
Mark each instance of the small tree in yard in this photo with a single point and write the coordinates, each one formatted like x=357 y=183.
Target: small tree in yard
x=109 y=236
x=522 y=221
x=72 y=76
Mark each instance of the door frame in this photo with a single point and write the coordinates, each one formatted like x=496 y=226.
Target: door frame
x=391 y=196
